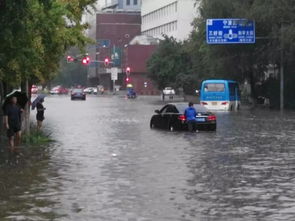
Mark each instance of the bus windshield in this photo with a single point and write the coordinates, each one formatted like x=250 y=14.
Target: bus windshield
x=211 y=87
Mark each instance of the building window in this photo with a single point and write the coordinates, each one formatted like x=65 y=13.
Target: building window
x=135 y=2
x=127 y=2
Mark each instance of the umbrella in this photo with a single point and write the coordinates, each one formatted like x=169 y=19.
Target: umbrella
x=37 y=100
x=22 y=99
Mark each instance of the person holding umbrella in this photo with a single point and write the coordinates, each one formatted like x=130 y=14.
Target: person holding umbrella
x=38 y=103
x=12 y=122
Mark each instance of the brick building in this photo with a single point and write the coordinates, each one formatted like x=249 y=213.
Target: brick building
x=138 y=56
x=116 y=39
x=113 y=32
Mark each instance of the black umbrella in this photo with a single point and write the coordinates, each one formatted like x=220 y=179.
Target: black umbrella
x=22 y=99
x=38 y=98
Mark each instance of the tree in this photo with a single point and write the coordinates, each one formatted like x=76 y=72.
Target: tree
x=34 y=36
x=169 y=61
x=272 y=18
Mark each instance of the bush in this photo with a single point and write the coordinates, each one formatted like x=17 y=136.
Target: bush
x=36 y=138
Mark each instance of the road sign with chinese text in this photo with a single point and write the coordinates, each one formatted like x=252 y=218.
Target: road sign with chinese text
x=230 y=31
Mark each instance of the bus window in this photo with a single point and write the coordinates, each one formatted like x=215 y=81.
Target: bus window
x=214 y=87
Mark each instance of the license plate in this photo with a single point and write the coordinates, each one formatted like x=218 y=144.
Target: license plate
x=200 y=119
x=214 y=103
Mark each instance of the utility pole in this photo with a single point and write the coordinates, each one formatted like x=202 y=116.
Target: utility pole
x=282 y=70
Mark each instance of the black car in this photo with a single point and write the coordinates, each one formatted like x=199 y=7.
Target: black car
x=171 y=117
x=78 y=93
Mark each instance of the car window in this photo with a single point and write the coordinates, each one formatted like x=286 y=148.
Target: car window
x=77 y=90
x=170 y=109
x=163 y=110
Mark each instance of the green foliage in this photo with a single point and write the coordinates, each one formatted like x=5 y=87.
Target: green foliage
x=36 y=138
x=169 y=61
x=35 y=34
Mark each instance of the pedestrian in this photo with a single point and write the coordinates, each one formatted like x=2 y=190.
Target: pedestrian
x=40 y=113
x=190 y=114
x=12 y=123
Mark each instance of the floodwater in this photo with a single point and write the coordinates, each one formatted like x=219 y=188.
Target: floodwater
x=106 y=164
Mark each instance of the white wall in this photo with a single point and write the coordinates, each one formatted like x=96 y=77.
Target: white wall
x=170 y=17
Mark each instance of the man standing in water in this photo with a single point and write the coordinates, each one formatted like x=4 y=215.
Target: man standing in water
x=190 y=114
x=40 y=113
x=12 y=122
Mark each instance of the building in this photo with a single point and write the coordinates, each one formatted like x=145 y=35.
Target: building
x=169 y=17
x=114 y=31
x=122 y=5
x=112 y=25
x=139 y=50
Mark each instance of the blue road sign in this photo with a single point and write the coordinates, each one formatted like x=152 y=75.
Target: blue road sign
x=230 y=31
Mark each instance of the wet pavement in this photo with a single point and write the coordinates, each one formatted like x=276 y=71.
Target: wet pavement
x=106 y=164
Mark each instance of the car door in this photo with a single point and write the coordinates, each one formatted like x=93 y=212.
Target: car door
x=167 y=116
x=158 y=118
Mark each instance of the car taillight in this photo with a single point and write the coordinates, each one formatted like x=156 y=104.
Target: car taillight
x=224 y=103
x=204 y=103
x=182 y=118
x=211 y=118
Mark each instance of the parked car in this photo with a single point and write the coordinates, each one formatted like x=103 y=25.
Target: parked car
x=171 y=117
x=89 y=90
x=169 y=91
x=59 y=90
x=78 y=93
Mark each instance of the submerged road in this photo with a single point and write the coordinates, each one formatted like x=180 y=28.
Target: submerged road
x=106 y=164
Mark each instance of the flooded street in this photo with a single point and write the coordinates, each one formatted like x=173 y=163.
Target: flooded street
x=106 y=164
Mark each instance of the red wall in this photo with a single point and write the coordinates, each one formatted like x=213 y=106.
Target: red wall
x=137 y=57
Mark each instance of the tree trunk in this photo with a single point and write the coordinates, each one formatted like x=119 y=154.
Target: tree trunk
x=26 y=88
x=1 y=111
x=253 y=90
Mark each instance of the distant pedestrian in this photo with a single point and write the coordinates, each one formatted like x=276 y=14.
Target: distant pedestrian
x=190 y=114
x=40 y=113
x=12 y=122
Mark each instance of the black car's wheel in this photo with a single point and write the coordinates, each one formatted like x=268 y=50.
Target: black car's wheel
x=152 y=124
x=171 y=128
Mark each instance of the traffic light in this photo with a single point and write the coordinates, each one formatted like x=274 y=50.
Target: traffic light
x=106 y=62
x=128 y=71
x=70 y=59
x=127 y=80
x=86 y=60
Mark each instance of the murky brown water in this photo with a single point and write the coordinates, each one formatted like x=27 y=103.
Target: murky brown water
x=107 y=165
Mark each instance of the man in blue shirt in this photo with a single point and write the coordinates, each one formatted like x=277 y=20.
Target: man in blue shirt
x=190 y=114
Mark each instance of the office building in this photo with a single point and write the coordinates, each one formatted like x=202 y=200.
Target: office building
x=168 y=17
